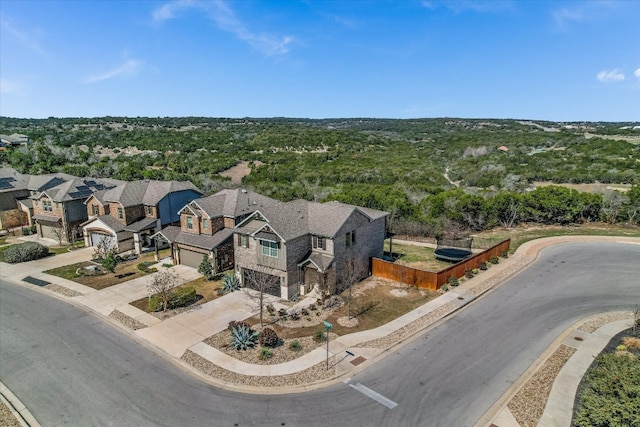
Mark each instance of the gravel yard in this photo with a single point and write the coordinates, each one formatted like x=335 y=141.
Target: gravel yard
x=527 y=406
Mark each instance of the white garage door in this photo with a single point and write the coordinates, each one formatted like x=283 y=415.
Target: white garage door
x=96 y=238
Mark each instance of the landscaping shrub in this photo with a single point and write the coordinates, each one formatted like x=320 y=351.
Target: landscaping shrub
x=320 y=336
x=266 y=353
x=468 y=273
x=504 y=254
x=269 y=338
x=444 y=287
x=295 y=346
x=282 y=312
x=304 y=312
x=313 y=307
x=482 y=266
x=230 y=283
x=22 y=252
x=236 y=324
x=494 y=260
x=453 y=281
x=270 y=308
x=475 y=271
x=243 y=337
x=26 y=231
x=182 y=297
x=144 y=266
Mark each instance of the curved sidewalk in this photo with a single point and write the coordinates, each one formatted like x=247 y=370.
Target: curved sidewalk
x=356 y=345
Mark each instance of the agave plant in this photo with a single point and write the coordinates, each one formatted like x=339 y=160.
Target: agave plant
x=230 y=283
x=243 y=338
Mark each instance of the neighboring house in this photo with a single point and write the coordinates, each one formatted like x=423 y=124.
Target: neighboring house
x=308 y=245
x=17 y=191
x=13 y=140
x=125 y=217
x=59 y=211
x=206 y=227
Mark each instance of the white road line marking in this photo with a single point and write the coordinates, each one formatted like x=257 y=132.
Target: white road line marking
x=375 y=396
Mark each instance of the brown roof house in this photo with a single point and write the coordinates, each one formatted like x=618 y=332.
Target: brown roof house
x=206 y=227
x=59 y=210
x=125 y=216
x=303 y=245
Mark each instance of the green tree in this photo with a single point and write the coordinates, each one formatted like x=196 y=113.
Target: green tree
x=110 y=262
x=206 y=267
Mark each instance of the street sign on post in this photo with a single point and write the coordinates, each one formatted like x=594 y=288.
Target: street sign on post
x=327 y=326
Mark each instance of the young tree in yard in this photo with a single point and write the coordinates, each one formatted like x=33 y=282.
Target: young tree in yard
x=103 y=247
x=206 y=267
x=59 y=233
x=352 y=274
x=160 y=286
x=262 y=282
x=110 y=262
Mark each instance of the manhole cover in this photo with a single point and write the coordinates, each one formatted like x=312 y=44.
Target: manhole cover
x=460 y=298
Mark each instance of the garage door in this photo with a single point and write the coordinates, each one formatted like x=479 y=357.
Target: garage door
x=190 y=258
x=109 y=240
x=50 y=232
x=259 y=281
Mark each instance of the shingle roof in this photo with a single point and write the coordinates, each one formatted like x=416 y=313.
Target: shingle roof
x=145 y=192
x=143 y=224
x=233 y=203
x=74 y=189
x=300 y=217
x=110 y=222
x=175 y=235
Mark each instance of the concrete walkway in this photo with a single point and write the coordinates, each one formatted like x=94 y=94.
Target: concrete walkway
x=186 y=331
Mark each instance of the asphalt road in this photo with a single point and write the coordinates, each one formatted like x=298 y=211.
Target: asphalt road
x=71 y=368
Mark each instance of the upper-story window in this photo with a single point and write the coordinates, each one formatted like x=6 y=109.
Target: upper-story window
x=120 y=213
x=205 y=223
x=350 y=238
x=190 y=223
x=95 y=209
x=149 y=210
x=269 y=248
x=46 y=205
x=243 y=240
x=319 y=242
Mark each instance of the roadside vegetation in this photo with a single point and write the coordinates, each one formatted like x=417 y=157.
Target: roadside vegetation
x=609 y=394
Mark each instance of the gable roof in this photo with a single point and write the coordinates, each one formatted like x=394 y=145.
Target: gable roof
x=145 y=192
x=73 y=189
x=300 y=217
x=231 y=203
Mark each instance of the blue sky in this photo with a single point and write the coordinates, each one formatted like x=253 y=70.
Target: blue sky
x=542 y=60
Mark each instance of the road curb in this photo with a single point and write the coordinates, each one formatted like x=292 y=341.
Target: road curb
x=22 y=414
x=578 y=365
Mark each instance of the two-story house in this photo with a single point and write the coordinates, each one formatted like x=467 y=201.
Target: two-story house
x=206 y=227
x=16 y=192
x=125 y=217
x=307 y=245
x=58 y=211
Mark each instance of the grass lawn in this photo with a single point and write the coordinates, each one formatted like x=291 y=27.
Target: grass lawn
x=525 y=232
x=124 y=271
x=420 y=257
x=207 y=290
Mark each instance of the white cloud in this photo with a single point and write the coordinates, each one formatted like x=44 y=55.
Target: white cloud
x=8 y=86
x=637 y=73
x=169 y=10
x=226 y=20
x=27 y=39
x=481 y=6
x=609 y=76
x=268 y=44
x=128 y=68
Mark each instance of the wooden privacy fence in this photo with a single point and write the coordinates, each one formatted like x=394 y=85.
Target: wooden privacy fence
x=429 y=279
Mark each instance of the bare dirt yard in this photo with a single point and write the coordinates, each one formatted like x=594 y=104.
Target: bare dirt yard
x=237 y=172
